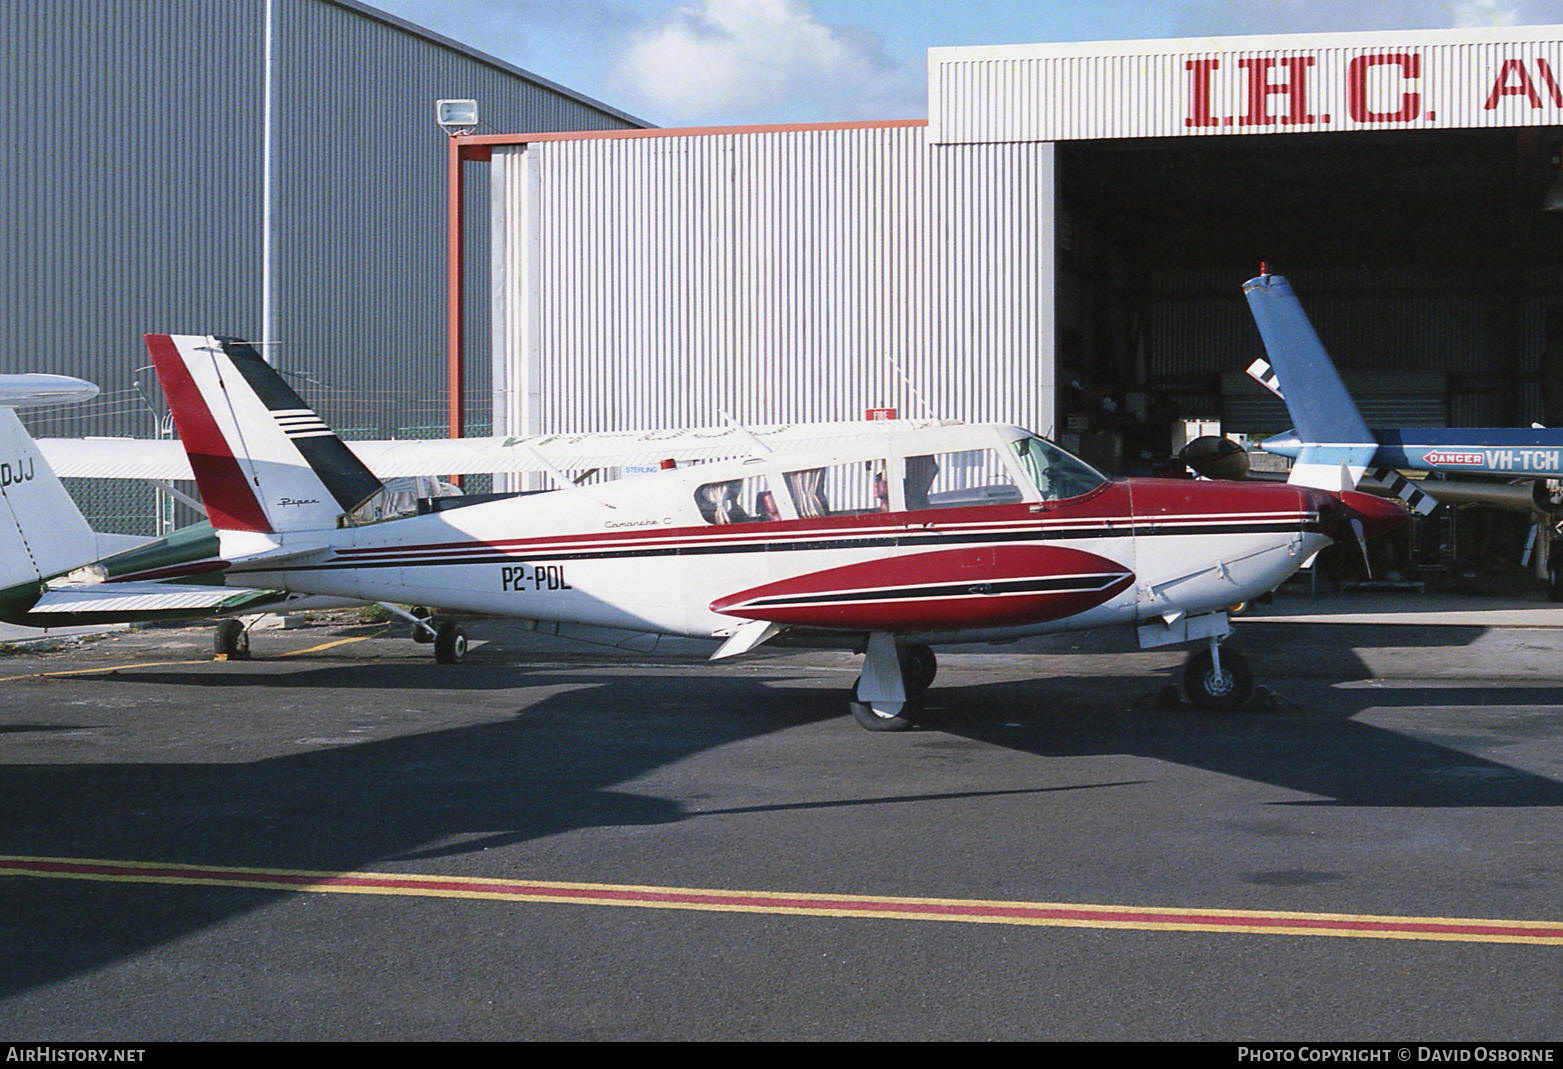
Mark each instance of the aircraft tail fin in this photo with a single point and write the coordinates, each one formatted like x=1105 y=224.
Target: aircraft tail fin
x=263 y=460
x=42 y=532
x=1337 y=445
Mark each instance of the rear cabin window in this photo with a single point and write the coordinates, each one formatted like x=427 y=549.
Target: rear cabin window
x=959 y=480
x=737 y=501
x=839 y=489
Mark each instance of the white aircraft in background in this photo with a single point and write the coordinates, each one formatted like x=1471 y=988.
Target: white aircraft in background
x=28 y=488
x=53 y=566
x=903 y=536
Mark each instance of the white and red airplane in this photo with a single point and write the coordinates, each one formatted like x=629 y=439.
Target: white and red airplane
x=907 y=535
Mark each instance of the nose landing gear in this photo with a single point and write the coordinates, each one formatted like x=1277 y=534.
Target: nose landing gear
x=1217 y=679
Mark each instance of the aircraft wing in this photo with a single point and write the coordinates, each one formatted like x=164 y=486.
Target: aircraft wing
x=142 y=458
x=147 y=458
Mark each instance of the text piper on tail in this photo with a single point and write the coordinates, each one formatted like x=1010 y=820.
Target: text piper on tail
x=907 y=535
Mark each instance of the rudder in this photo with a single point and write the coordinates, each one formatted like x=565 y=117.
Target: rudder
x=263 y=460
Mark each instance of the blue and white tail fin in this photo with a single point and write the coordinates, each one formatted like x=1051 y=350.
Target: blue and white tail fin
x=42 y=532
x=1337 y=446
x=263 y=460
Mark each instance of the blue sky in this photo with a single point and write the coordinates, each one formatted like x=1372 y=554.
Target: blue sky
x=719 y=62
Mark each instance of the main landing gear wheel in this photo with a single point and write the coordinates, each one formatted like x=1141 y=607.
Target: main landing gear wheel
x=918 y=667
x=231 y=641
x=885 y=716
x=450 y=643
x=1222 y=691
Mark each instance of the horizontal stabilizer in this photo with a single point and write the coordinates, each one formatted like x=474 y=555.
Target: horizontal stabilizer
x=1416 y=499
x=146 y=599
x=1262 y=373
x=34 y=390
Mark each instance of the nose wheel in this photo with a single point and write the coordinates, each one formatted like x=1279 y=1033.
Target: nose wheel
x=1218 y=679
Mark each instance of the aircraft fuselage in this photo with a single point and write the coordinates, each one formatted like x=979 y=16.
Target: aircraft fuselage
x=1121 y=553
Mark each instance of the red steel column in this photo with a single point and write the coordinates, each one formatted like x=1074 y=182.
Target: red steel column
x=454 y=287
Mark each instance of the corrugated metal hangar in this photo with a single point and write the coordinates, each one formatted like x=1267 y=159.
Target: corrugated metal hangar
x=229 y=166
x=1061 y=244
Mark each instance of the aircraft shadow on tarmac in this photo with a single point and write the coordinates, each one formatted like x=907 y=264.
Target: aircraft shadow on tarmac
x=554 y=765
x=1308 y=743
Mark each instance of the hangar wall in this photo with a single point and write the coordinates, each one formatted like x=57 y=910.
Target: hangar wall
x=774 y=275
x=132 y=151
x=1062 y=244
x=132 y=146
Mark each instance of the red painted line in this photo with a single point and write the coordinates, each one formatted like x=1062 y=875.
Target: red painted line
x=705 y=537
x=976 y=911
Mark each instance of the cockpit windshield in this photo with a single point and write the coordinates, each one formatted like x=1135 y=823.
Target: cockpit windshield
x=1057 y=474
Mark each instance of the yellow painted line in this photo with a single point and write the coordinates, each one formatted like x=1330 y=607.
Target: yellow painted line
x=105 y=668
x=165 y=664
x=807 y=904
x=328 y=645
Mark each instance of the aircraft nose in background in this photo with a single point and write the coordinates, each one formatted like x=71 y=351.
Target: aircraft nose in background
x=1341 y=513
x=1285 y=444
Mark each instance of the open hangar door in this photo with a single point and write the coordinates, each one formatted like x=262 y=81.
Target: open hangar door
x=1425 y=259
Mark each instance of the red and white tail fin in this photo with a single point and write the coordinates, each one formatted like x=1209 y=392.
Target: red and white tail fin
x=263 y=460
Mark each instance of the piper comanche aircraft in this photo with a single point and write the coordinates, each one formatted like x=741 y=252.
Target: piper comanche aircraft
x=905 y=536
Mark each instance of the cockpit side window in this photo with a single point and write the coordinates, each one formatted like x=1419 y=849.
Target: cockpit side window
x=958 y=479
x=1057 y=474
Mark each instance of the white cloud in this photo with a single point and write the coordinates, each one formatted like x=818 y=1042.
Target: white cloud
x=762 y=61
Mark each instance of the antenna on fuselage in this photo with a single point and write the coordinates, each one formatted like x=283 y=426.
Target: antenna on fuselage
x=759 y=447
x=906 y=380
x=560 y=476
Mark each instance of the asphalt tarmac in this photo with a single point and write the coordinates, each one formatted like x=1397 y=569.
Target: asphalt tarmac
x=341 y=839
